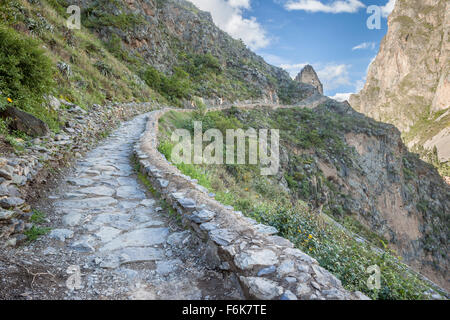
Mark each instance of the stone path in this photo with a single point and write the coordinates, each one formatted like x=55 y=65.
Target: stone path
x=120 y=239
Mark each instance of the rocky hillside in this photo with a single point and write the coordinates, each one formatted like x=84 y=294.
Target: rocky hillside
x=359 y=171
x=408 y=84
x=167 y=51
x=355 y=174
x=175 y=38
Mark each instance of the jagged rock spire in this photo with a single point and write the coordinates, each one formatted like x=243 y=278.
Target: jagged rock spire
x=309 y=76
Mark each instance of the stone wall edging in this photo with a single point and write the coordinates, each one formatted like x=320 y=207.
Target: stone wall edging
x=267 y=266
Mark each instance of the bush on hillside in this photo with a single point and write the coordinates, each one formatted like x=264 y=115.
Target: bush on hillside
x=26 y=73
x=174 y=88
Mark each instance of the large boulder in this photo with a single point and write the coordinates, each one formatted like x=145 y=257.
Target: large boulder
x=25 y=122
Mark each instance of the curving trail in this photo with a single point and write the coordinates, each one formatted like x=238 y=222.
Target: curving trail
x=111 y=229
x=111 y=238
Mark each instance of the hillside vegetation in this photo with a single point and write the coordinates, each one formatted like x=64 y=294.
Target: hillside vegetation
x=125 y=52
x=306 y=204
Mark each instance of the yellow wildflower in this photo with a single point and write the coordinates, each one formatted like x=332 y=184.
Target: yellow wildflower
x=9 y=100
x=310 y=236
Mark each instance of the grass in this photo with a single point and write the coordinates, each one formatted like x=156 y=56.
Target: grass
x=38 y=217
x=144 y=179
x=36 y=231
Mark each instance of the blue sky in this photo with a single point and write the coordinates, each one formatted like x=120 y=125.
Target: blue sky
x=331 y=35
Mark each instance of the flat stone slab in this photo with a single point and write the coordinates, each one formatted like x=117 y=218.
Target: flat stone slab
x=106 y=234
x=168 y=266
x=262 y=228
x=104 y=168
x=6 y=214
x=90 y=203
x=176 y=239
x=128 y=204
x=72 y=219
x=130 y=192
x=123 y=225
x=11 y=202
x=249 y=259
x=106 y=218
x=82 y=246
x=98 y=191
x=202 y=216
x=61 y=234
x=222 y=237
x=81 y=182
x=148 y=202
x=134 y=255
x=138 y=238
x=263 y=289
x=125 y=181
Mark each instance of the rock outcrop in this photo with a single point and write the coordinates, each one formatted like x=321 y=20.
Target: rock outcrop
x=408 y=84
x=25 y=122
x=309 y=76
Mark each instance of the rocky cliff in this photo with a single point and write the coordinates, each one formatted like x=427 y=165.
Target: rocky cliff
x=408 y=84
x=308 y=75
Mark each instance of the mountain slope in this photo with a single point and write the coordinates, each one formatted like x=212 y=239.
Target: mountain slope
x=408 y=83
x=174 y=34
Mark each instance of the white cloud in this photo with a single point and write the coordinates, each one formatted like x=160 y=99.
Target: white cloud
x=240 y=3
x=364 y=45
x=228 y=15
x=336 y=6
x=334 y=75
x=272 y=59
x=341 y=96
x=387 y=8
x=293 y=69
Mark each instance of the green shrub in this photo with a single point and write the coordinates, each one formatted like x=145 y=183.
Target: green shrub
x=26 y=73
x=153 y=78
x=173 y=88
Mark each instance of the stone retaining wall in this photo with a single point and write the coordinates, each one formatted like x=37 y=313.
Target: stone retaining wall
x=267 y=266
